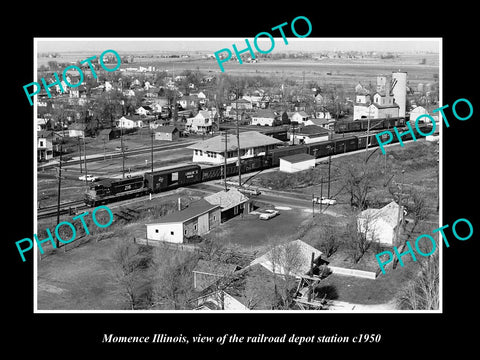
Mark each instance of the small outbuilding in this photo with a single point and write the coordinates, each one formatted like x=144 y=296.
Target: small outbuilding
x=381 y=224
x=167 y=133
x=297 y=162
x=232 y=203
x=197 y=219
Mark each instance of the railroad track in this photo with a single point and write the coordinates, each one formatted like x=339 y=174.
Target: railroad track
x=71 y=207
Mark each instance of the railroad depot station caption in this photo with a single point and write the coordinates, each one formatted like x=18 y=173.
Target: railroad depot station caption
x=235 y=339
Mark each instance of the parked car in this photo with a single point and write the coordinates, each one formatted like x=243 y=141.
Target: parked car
x=268 y=214
x=89 y=178
x=249 y=191
x=324 y=201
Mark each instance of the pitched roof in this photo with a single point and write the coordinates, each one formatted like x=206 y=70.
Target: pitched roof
x=214 y=267
x=226 y=199
x=389 y=214
x=248 y=139
x=195 y=209
x=265 y=113
x=166 y=129
x=297 y=252
x=394 y=105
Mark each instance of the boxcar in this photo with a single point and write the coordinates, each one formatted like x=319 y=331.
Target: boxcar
x=346 y=144
x=321 y=149
x=277 y=153
x=171 y=178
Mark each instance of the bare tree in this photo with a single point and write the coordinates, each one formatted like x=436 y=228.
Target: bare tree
x=172 y=279
x=422 y=293
x=359 y=180
x=328 y=241
x=130 y=272
x=286 y=260
x=360 y=236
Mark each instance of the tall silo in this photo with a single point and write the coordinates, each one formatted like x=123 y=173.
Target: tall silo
x=400 y=90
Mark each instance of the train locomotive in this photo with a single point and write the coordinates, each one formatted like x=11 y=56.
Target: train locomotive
x=111 y=190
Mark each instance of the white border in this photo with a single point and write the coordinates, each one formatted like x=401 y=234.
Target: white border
x=281 y=312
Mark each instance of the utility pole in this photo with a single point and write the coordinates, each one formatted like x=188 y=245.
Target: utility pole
x=80 y=154
x=104 y=149
x=123 y=154
x=397 y=230
x=329 y=164
x=225 y=140
x=152 y=134
x=59 y=188
x=85 y=159
x=313 y=205
x=238 y=150
x=321 y=194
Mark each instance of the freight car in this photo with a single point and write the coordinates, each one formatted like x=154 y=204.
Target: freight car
x=151 y=182
x=344 y=126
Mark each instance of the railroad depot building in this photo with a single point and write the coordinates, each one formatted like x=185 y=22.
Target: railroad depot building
x=252 y=144
x=197 y=219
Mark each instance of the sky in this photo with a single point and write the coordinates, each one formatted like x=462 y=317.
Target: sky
x=211 y=45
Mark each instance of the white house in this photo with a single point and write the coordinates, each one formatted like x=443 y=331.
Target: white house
x=299 y=117
x=309 y=134
x=415 y=113
x=263 y=117
x=125 y=123
x=202 y=122
x=381 y=224
x=144 y=110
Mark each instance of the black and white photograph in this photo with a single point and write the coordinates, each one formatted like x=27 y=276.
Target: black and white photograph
x=203 y=180
x=291 y=180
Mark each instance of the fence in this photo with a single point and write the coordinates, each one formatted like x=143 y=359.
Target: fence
x=353 y=272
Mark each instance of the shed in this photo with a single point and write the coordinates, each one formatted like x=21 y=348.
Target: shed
x=232 y=202
x=168 y=133
x=109 y=134
x=297 y=162
x=197 y=219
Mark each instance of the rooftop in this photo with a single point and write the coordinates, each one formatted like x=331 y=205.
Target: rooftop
x=248 y=139
x=389 y=213
x=195 y=209
x=297 y=158
x=293 y=258
x=226 y=199
x=214 y=267
x=312 y=130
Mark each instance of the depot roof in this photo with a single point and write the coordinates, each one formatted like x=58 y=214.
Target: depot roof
x=248 y=139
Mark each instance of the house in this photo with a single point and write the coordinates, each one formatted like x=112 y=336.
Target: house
x=78 y=92
x=252 y=144
x=200 y=123
x=125 y=123
x=144 y=110
x=299 y=117
x=77 y=130
x=324 y=123
x=251 y=288
x=242 y=104
x=188 y=102
x=44 y=145
x=297 y=162
x=167 y=133
x=294 y=258
x=416 y=112
x=381 y=224
x=109 y=134
x=206 y=273
x=42 y=124
x=197 y=219
x=232 y=202
x=309 y=134
x=264 y=117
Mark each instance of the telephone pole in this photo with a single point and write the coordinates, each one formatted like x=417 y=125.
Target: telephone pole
x=238 y=150
x=85 y=159
x=80 y=154
x=225 y=140
x=59 y=188
x=329 y=164
x=153 y=132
